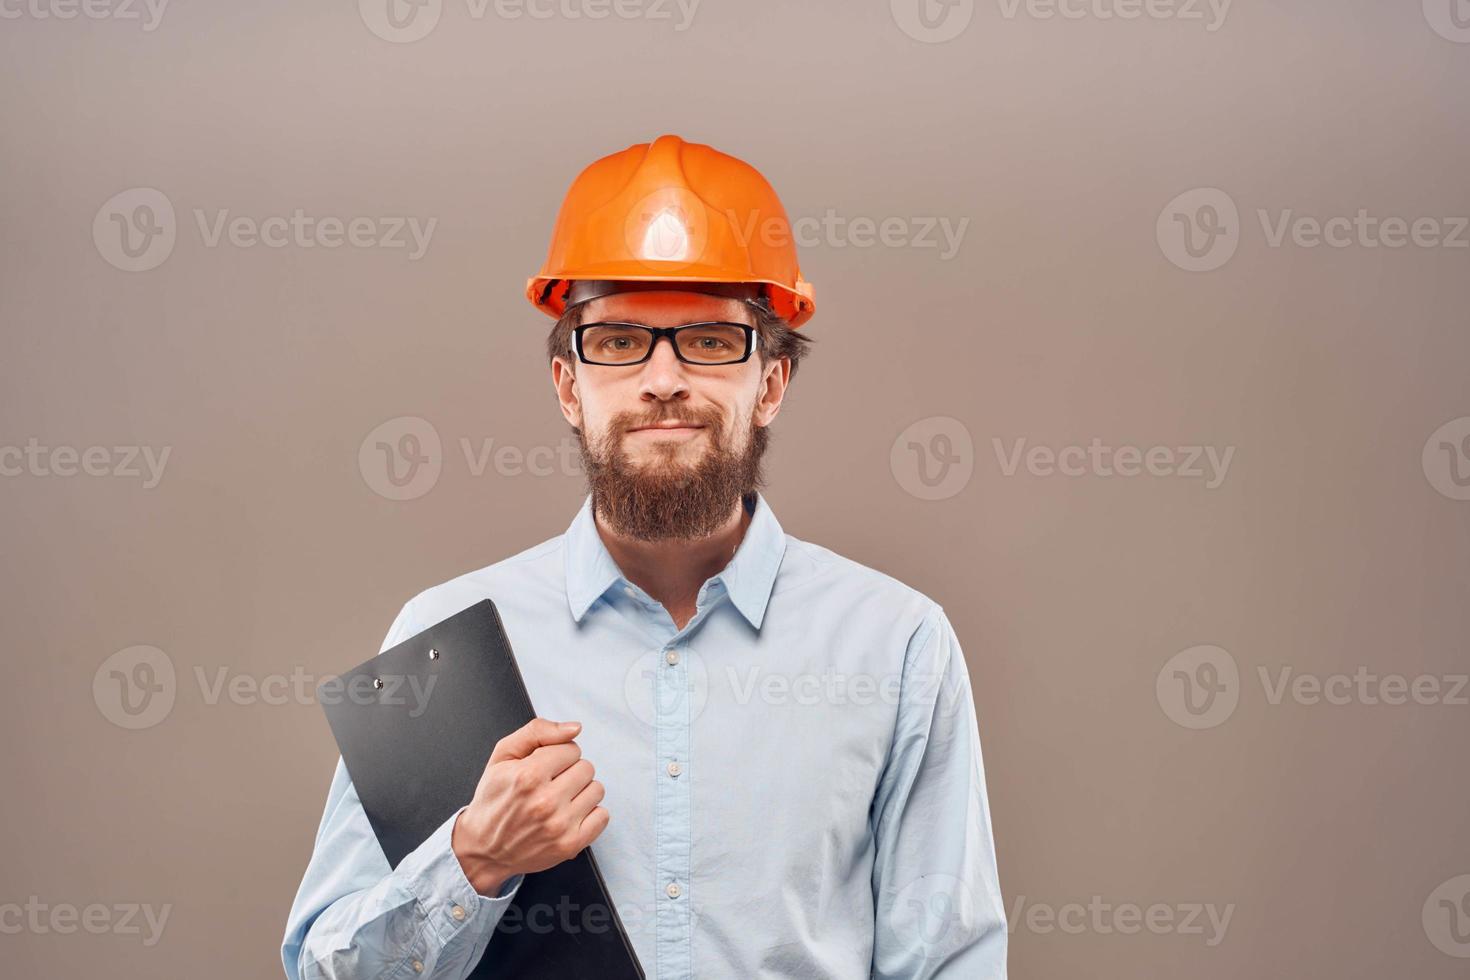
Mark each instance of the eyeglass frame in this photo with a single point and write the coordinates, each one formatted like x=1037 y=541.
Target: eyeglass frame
x=752 y=341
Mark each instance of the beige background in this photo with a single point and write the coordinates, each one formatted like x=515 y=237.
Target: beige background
x=265 y=550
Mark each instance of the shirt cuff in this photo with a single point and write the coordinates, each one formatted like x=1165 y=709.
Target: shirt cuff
x=433 y=874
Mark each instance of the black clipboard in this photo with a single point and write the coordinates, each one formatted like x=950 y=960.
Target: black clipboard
x=415 y=726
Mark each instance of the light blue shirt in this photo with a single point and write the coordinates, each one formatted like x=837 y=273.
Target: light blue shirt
x=794 y=778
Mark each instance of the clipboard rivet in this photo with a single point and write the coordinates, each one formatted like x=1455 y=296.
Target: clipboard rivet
x=433 y=654
x=377 y=683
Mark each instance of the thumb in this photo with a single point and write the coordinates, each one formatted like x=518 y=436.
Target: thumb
x=532 y=735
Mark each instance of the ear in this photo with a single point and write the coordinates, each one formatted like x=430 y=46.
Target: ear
x=564 y=380
x=774 y=379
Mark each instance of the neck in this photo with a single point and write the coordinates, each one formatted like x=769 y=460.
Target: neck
x=673 y=570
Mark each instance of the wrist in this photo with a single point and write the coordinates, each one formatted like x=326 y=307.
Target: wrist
x=485 y=876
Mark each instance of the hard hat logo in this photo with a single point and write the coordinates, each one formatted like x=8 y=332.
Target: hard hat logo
x=647 y=213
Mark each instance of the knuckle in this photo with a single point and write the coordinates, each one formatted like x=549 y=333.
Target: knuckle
x=545 y=811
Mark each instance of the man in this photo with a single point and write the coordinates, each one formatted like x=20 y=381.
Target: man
x=788 y=779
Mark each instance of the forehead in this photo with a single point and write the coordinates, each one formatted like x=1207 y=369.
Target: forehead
x=665 y=308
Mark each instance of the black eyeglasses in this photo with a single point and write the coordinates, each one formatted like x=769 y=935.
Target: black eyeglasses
x=615 y=343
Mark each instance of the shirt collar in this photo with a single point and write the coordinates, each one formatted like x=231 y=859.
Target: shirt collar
x=748 y=578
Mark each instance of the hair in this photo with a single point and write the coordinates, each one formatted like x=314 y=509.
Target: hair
x=777 y=338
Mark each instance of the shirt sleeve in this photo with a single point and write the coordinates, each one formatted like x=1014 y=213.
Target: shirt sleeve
x=356 y=917
x=936 y=891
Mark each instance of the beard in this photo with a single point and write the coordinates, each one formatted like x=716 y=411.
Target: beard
x=666 y=497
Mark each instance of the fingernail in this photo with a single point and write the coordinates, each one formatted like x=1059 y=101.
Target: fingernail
x=570 y=726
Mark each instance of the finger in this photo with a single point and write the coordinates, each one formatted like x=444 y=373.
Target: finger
x=591 y=795
x=595 y=824
x=573 y=779
x=532 y=735
x=550 y=761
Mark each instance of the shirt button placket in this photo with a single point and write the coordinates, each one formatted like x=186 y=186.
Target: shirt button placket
x=671 y=720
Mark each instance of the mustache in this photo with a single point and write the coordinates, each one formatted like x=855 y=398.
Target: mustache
x=712 y=417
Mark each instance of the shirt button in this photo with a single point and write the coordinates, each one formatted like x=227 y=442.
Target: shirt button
x=418 y=966
x=673 y=889
x=674 y=769
x=672 y=657
x=458 y=913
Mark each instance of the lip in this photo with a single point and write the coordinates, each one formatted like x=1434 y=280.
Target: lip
x=677 y=427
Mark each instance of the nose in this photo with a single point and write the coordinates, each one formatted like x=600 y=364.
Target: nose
x=663 y=374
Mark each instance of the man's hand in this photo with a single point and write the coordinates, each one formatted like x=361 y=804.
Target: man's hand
x=535 y=807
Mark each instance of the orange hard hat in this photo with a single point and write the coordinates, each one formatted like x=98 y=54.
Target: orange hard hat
x=677 y=212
